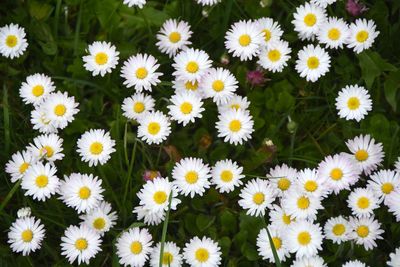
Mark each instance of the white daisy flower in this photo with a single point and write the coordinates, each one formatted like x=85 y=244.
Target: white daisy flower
x=102 y=58
x=139 y=71
x=353 y=103
x=313 y=62
x=362 y=202
x=397 y=165
x=18 y=164
x=26 y=235
x=368 y=154
x=308 y=20
x=264 y=246
x=219 y=84
x=226 y=175
x=270 y=29
x=24 y=212
x=322 y=3
x=101 y=218
x=149 y=218
x=304 y=238
x=36 y=88
x=355 y=263
x=393 y=203
x=137 y=3
x=134 y=247
x=202 y=252
x=95 y=146
x=235 y=102
x=235 y=126
x=135 y=106
x=279 y=218
x=171 y=255
x=184 y=86
x=311 y=183
x=173 y=36
x=365 y=231
x=12 y=41
x=208 y=2
x=256 y=197
x=315 y=261
x=191 y=176
x=190 y=65
x=282 y=177
x=274 y=56
x=60 y=109
x=47 y=146
x=80 y=243
x=244 y=39
x=339 y=171
x=154 y=128
x=40 y=121
x=337 y=229
x=301 y=205
x=384 y=183
x=82 y=192
x=394 y=258
x=40 y=181
x=362 y=35
x=334 y=33
x=185 y=107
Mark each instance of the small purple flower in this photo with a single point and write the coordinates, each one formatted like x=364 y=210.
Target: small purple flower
x=355 y=7
x=149 y=175
x=255 y=77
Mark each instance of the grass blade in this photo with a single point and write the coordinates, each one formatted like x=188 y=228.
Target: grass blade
x=164 y=230
x=6 y=118
x=10 y=194
x=272 y=245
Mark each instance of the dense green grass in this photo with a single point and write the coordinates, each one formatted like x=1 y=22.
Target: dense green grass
x=58 y=32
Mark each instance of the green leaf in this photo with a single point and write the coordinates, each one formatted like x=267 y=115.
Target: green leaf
x=204 y=221
x=39 y=11
x=372 y=65
x=391 y=87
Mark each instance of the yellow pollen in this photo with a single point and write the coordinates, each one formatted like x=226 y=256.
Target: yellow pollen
x=60 y=110
x=153 y=128
x=37 y=90
x=138 y=107
x=160 y=197
x=47 y=150
x=27 y=235
x=312 y=63
x=136 y=247
x=362 y=231
x=202 y=255
x=353 y=103
x=191 y=177
x=274 y=55
x=286 y=219
x=336 y=174
x=235 y=106
x=338 y=229
x=387 y=188
x=363 y=203
x=267 y=34
x=235 y=125
x=96 y=148
x=310 y=186
x=191 y=86
x=11 y=41
x=101 y=58
x=186 y=108
x=303 y=203
x=226 y=176
x=84 y=192
x=99 y=223
x=304 y=238
x=167 y=258
x=192 y=67
x=23 y=167
x=41 y=181
x=81 y=244
x=174 y=37
x=277 y=242
x=362 y=36
x=218 y=85
x=334 y=34
x=141 y=73
x=361 y=155
x=284 y=184
x=258 y=198
x=244 y=40
x=310 y=19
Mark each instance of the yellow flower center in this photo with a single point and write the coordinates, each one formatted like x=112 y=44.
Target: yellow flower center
x=361 y=155
x=202 y=255
x=11 y=41
x=191 y=177
x=141 y=73
x=96 y=148
x=303 y=203
x=235 y=106
x=336 y=174
x=258 y=198
x=387 y=188
x=23 y=167
x=274 y=55
x=226 y=176
x=284 y=184
x=353 y=103
x=338 y=229
x=186 y=107
x=310 y=19
x=60 y=110
x=304 y=238
x=334 y=34
x=218 y=85
x=174 y=37
x=27 y=235
x=41 y=181
x=153 y=128
x=235 y=125
x=37 y=90
x=244 y=40
x=310 y=186
x=167 y=258
x=267 y=34
x=362 y=36
x=160 y=197
x=313 y=63
x=363 y=203
x=191 y=86
x=81 y=244
x=192 y=67
x=362 y=231
x=136 y=247
x=138 y=107
x=84 y=192
x=277 y=242
x=101 y=58
x=47 y=150
x=99 y=223
x=286 y=219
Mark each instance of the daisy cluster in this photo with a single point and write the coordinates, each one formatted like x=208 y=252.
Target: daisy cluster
x=141 y=3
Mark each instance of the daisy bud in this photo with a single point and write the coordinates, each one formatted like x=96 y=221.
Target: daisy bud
x=291 y=126
x=149 y=175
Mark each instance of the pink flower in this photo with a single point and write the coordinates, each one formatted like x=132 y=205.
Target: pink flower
x=149 y=175
x=255 y=77
x=355 y=7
